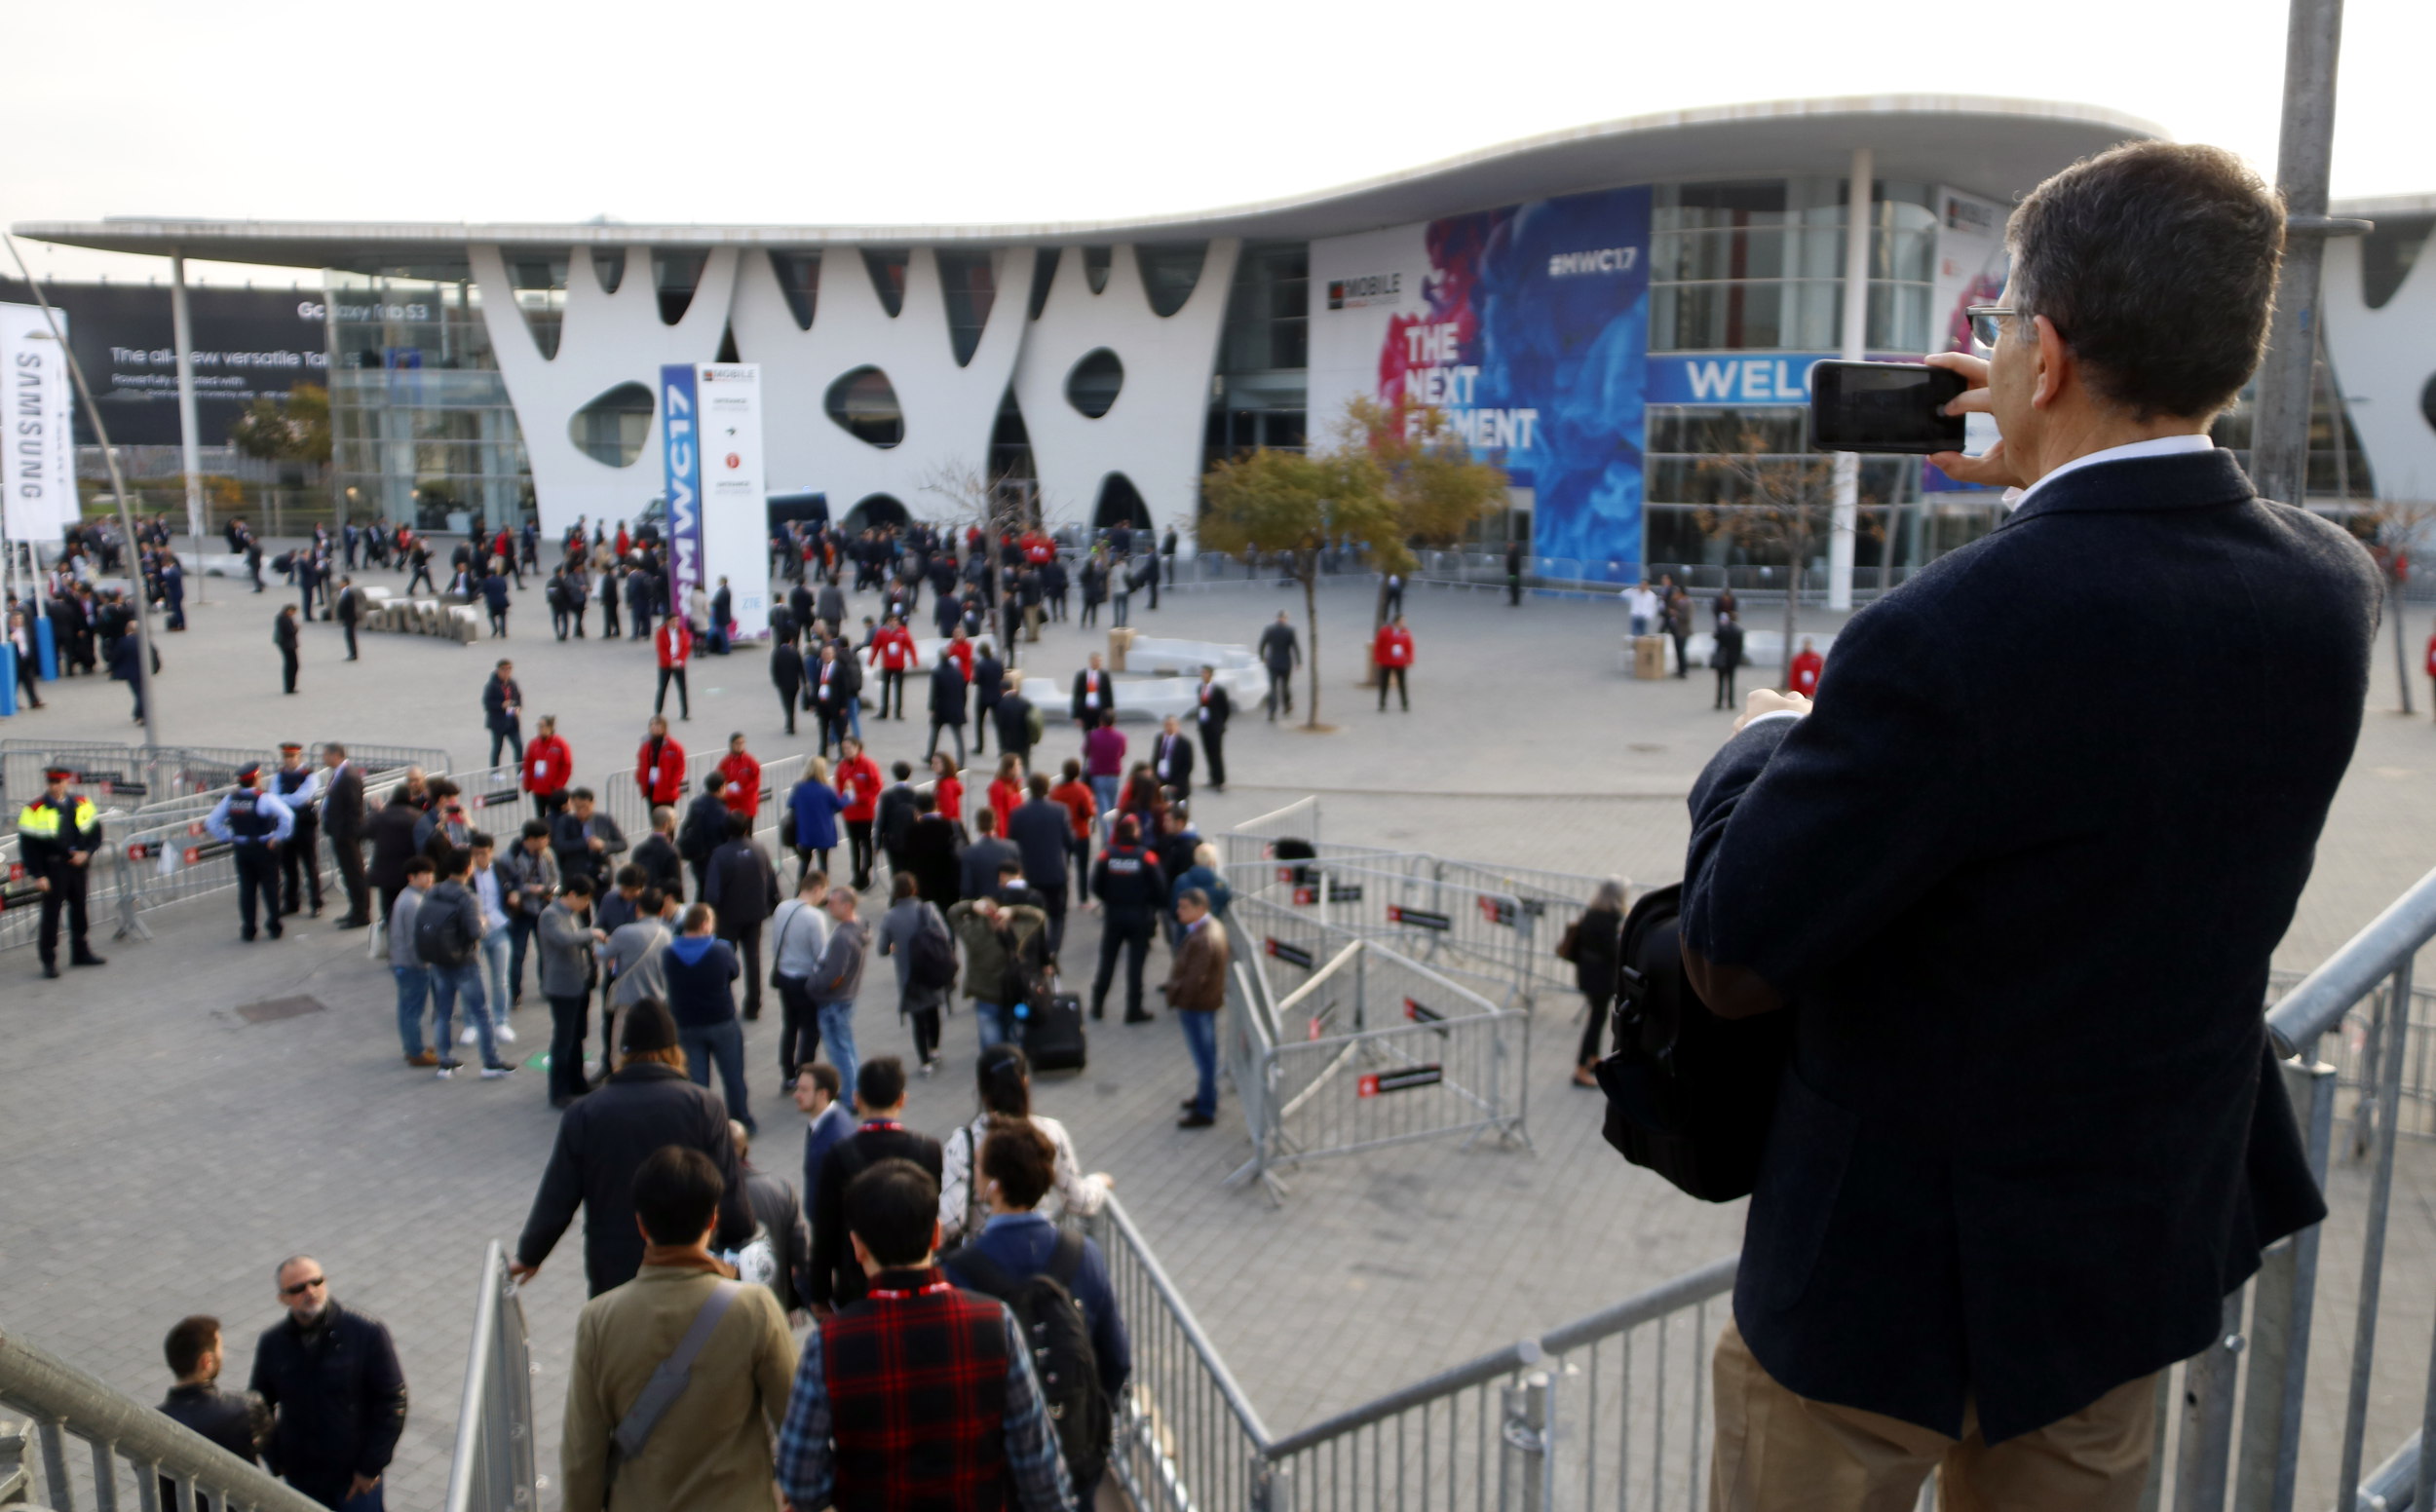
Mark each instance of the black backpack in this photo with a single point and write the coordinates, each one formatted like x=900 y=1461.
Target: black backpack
x=1689 y=1095
x=1062 y=1356
x=435 y=937
x=930 y=955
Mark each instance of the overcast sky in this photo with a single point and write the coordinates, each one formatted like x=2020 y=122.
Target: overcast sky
x=943 y=111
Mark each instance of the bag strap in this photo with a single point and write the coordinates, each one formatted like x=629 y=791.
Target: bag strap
x=987 y=1274
x=1065 y=1262
x=668 y=1381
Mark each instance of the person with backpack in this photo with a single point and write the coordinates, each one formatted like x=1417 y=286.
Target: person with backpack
x=913 y=932
x=704 y=1448
x=838 y=1280
x=1003 y=1077
x=1056 y=1282
x=976 y=1434
x=448 y=940
x=1006 y=953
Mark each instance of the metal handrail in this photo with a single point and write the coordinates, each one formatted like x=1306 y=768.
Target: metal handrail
x=1683 y=1291
x=59 y=1397
x=461 y=1463
x=1229 y=1391
x=2322 y=997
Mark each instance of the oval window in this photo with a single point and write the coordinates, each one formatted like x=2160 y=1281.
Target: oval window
x=864 y=402
x=1093 y=385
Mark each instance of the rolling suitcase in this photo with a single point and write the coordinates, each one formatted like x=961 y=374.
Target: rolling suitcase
x=1051 y=1031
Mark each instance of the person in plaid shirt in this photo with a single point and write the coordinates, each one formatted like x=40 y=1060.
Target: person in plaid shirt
x=858 y=1434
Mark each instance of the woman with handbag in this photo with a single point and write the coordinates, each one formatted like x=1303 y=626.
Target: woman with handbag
x=1590 y=944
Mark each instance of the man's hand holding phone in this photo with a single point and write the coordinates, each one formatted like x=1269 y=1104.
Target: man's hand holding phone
x=1992 y=468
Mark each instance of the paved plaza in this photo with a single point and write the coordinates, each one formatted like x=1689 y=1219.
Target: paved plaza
x=165 y=1148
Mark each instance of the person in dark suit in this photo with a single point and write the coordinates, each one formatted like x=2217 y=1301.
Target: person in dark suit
x=283 y=637
x=342 y=820
x=1211 y=710
x=1969 y=1218
x=1171 y=758
x=1094 y=695
x=786 y=672
x=931 y=851
x=1727 y=658
x=394 y=842
x=503 y=711
x=350 y=612
x=947 y=706
x=837 y=1280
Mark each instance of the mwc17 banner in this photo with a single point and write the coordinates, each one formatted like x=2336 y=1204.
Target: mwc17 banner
x=718 y=511
x=1528 y=327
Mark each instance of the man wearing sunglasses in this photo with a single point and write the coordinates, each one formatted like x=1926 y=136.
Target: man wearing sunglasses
x=333 y=1378
x=2031 y=1133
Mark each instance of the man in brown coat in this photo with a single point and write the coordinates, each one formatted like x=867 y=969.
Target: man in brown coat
x=1197 y=989
x=709 y=1450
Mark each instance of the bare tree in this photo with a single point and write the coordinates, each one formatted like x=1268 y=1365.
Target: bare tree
x=996 y=501
x=1771 y=504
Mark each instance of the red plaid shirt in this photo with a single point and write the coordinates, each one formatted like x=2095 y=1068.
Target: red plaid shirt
x=917 y=1388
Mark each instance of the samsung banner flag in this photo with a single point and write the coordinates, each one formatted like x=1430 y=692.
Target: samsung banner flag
x=718 y=513
x=40 y=449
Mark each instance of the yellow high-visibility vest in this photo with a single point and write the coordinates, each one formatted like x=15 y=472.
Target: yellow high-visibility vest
x=40 y=819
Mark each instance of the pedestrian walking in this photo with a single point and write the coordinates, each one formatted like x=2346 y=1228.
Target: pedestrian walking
x=856 y=1436
x=1803 y=677
x=1128 y=882
x=1213 y=707
x=948 y=684
x=1002 y=1093
x=701 y=970
x=283 y=637
x=549 y=767
x=529 y=878
x=495 y=599
x=350 y=613
x=1392 y=650
x=405 y=962
x=329 y=1377
x=253 y=825
x=1195 y=989
x=58 y=835
x=859 y=784
x=1279 y=654
x=799 y=936
x=1171 y=758
x=786 y=674
x=917 y=1001
x=741 y=888
x=838 y=979
x=837 y=1280
x=343 y=822
x=1094 y=700
x=812 y=808
x=1727 y=658
x=503 y=711
x=646 y=1105
x=1679 y=628
x=673 y=644
x=567 y=941
x=660 y=766
x=449 y=933
x=299 y=787
x=1017 y=1242
x=1591 y=943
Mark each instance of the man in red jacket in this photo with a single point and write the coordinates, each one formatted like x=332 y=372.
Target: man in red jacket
x=958 y=650
x=741 y=789
x=858 y=783
x=1803 y=678
x=548 y=767
x=674 y=641
x=892 y=651
x=1394 y=652
x=660 y=766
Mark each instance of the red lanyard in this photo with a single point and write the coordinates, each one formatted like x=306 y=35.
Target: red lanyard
x=881 y=1123
x=893 y=1295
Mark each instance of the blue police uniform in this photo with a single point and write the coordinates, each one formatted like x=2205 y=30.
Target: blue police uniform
x=254 y=823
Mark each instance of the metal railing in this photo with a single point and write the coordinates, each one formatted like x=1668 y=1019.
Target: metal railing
x=1370 y=1048
x=493 y=1468
x=113 y=1433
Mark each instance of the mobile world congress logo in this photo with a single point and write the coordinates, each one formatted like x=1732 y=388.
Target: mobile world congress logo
x=1599 y=260
x=1371 y=288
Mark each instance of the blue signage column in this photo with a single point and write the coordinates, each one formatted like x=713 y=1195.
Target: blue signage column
x=680 y=449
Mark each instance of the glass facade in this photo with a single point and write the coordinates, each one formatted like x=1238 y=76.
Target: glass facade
x=422 y=430
x=1261 y=394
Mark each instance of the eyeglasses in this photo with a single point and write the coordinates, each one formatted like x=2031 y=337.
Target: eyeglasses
x=303 y=1286
x=1986 y=322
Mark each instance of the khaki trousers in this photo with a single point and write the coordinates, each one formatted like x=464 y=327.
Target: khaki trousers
x=1776 y=1452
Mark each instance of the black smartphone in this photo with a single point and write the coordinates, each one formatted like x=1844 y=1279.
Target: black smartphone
x=1883 y=407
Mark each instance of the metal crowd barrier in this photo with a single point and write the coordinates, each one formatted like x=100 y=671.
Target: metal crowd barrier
x=116 y=1435
x=493 y=1468
x=2353 y=1048
x=1368 y=1049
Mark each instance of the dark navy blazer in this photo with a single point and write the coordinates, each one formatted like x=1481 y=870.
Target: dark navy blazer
x=2020 y=873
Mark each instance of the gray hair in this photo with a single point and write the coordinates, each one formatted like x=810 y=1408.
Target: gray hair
x=1611 y=894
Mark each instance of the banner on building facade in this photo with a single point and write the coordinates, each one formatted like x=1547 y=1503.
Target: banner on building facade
x=1528 y=327
x=718 y=514
x=39 y=402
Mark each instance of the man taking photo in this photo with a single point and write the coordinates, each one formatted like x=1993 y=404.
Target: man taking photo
x=2031 y=1133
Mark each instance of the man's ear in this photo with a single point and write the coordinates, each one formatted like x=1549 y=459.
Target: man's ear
x=2055 y=360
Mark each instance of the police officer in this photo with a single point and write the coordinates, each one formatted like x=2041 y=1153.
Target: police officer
x=57 y=836
x=299 y=787
x=254 y=823
x=1128 y=882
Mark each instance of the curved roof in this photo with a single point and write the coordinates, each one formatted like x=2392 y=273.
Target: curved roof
x=1998 y=147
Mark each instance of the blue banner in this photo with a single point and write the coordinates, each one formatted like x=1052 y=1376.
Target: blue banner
x=1727 y=378
x=680 y=449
